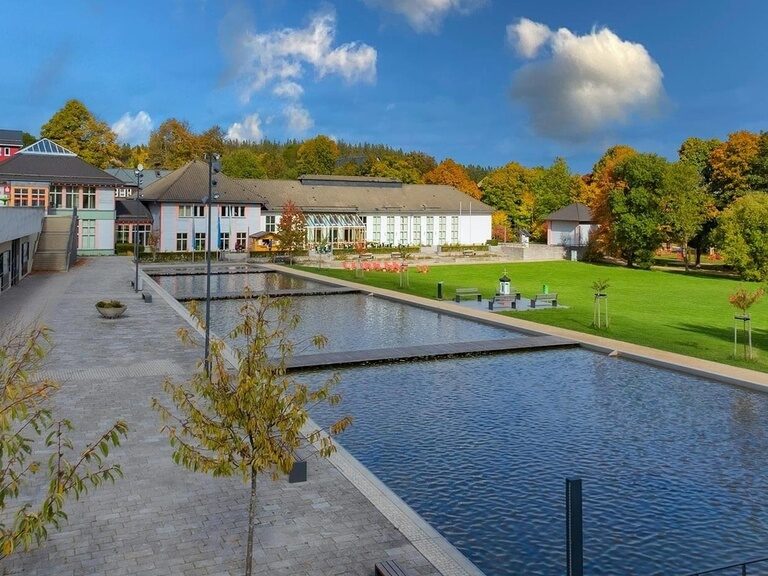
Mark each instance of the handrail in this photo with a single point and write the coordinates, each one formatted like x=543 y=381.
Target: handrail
x=71 y=256
x=742 y=565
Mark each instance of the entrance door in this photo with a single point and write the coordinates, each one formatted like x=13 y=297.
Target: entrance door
x=15 y=264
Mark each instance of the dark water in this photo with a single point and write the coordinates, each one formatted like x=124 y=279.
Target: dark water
x=674 y=468
x=234 y=283
x=360 y=322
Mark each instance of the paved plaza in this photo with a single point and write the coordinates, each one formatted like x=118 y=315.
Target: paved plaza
x=160 y=518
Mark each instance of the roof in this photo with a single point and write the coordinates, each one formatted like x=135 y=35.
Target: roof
x=11 y=138
x=128 y=175
x=56 y=166
x=334 y=180
x=127 y=209
x=575 y=212
x=190 y=184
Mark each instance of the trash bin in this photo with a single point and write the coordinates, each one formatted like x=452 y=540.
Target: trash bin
x=545 y=289
x=439 y=290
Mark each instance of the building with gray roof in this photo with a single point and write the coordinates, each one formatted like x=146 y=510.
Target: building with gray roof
x=11 y=141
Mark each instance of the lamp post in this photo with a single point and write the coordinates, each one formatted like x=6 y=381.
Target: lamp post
x=214 y=167
x=139 y=172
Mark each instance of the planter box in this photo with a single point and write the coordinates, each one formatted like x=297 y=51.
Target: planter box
x=111 y=312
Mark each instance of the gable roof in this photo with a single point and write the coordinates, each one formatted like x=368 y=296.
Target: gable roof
x=47 y=162
x=189 y=184
x=128 y=175
x=575 y=212
x=128 y=209
x=11 y=138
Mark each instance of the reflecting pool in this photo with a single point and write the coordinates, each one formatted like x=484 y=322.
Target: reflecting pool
x=360 y=322
x=188 y=285
x=674 y=468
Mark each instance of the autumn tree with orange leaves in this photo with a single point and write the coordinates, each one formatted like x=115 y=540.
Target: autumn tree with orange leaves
x=450 y=173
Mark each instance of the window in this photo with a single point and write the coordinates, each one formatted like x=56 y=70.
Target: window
x=38 y=197
x=377 y=228
x=390 y=230
x=182 y=244
x=21 y=196
x=5 y=269
x=191 y=210
x=199 y=240
x=123 y=234
x=7 y=151
x=122 y=193
x=142 y=233
x=185 y=211
x=71 y=197
x=241 y=241
x=442 y=223
x=88 y=234
x=89 y=198
x=430 y=230
x=224 y=241
x=403 y=230
x=454 y=229
x=198 y=210
x=55 y=197
x=234 y=211
x=417 y=230
x=271 y=224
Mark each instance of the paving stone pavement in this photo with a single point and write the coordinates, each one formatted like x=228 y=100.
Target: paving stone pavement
x=161 y=519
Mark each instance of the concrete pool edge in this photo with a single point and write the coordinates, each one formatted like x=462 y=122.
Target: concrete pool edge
x=722 y=373
x=437 y=550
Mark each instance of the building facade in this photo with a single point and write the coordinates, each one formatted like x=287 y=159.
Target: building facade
x=47 y=175
x=570 y=226
x=11 y=141
x=19 y=232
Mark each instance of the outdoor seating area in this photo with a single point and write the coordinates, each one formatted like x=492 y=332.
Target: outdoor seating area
x=550 y=299
x=467 y=293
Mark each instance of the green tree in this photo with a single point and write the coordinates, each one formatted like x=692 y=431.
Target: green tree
x=172 y=145
x=730 y=166
x=421 y=162
x=397 y=168
x=26 y=416
x=685 y=204
x=743 y=235
x=507 y=189
x=291 y=230
x=551 y=189
x=636 y=208
x=758 y=170
x=242 y=163
x=212 y=141
x=696 y=152
x=254 y=419
x=28 y=139
x=317 y=156
x=75 y=128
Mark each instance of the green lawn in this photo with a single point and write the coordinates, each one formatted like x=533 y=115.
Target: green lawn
x=683 y=313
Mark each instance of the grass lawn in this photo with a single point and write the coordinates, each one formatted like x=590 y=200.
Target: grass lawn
x=667 y=309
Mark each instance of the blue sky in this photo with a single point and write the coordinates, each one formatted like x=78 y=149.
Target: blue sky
x=481 y=81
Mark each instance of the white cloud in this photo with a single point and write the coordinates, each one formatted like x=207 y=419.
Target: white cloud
x=282 y=56
x=133 y=129
x=249 y=130
x=426 y=15
x=299 y=120
x=528 y=36
x=584 y=83
x=289 y=90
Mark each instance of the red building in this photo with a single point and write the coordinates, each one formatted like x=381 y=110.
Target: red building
x=11 y=141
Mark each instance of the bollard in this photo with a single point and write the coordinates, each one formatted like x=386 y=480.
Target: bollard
x=439 y=290
x=545 y=289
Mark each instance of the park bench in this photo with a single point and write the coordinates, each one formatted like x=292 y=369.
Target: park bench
x=391 y=568
x=366 y=256
x=467 y=292
x=396 y=255
x=504 y=301
x=545 y=298
x=468 y=253
x=282 y=259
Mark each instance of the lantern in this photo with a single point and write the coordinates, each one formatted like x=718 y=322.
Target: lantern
x=504 y=285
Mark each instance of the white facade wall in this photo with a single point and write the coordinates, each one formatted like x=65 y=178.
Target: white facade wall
x=427 y=229
x=561 y=233
x=105 y=199
x=170 y=223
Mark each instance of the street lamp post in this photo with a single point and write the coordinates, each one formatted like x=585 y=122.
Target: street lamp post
x=214 y=167
x=139 y=172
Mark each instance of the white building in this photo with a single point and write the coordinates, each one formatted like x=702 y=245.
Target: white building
x=570 y=226
x=339 y=210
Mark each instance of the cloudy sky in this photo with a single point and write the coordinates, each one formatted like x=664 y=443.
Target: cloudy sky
x=481 y=81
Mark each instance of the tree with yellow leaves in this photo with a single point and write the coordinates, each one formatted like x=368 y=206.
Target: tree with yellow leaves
x=450 y=173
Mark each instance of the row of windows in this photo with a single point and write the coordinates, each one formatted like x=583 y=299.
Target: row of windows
x=198 y=211
x=182 y=241
x=416 y=230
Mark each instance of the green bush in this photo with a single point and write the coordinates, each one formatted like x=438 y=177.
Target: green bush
x=126 y=248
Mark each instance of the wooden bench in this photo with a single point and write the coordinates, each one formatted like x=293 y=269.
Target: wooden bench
x=391 y=568
x=546 y=298
x=468 y=253
x=396 y=255
x=366 y=256
x=504 y=301
x=467 y=292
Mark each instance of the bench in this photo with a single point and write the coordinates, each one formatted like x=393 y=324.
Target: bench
x=282 y=259
x=504 y=301
x=467 y=292
x=147 y=297
x=546 y=298
x=366 y=256
x=396 y=255
x=468 y=253
x=391 y=568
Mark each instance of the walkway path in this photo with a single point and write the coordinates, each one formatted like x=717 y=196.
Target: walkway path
x=161 y=519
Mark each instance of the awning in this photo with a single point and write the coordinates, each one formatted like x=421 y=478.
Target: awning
x=330 y=220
